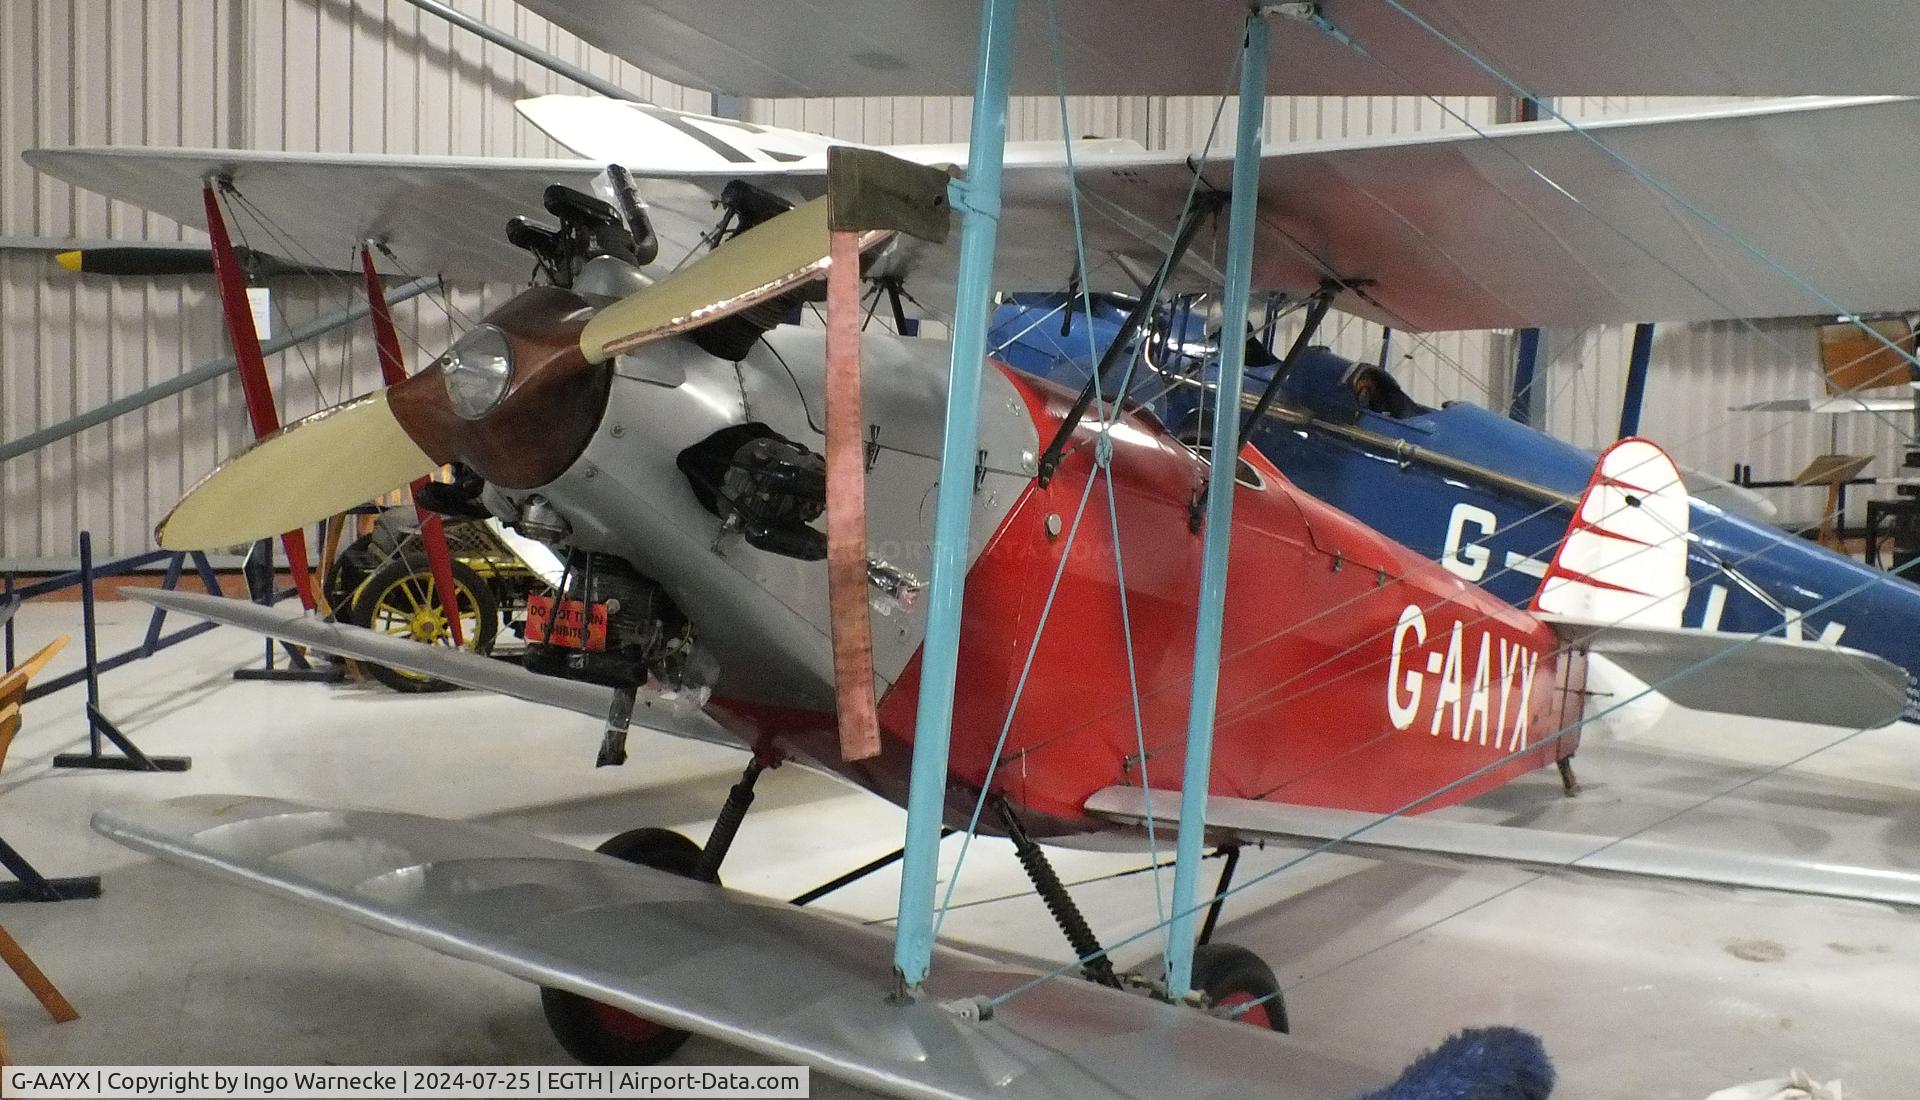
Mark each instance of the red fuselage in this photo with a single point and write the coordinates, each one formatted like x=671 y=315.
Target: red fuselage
x=1356 y=674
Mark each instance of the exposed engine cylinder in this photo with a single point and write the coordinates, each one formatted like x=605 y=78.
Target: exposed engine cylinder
x=763 y=485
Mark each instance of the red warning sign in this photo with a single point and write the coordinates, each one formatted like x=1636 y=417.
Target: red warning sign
x=565 y=629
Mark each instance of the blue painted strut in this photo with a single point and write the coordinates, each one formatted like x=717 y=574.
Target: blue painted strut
x=1220 y=482
x=1636 y=394
x=978 y=200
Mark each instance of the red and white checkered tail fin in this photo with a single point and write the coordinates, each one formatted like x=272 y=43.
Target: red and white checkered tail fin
x=1624 y=558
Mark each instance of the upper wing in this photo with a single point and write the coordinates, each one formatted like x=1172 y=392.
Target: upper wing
x=1246 y=818
x=1455 y=231
x=793 y=984
x=439 y=215
x=456 y=666
x=1187 y=47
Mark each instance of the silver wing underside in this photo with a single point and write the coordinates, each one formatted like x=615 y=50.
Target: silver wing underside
x=1248 y=819
x=1838 y=404
x=791 y=984
x=1187 y=47
x=1457 y=232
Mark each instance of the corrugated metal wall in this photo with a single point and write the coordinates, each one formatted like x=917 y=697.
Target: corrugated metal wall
x=368 y=75
x=329 y=75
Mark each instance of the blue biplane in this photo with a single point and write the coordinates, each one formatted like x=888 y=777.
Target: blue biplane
x=1485 y=496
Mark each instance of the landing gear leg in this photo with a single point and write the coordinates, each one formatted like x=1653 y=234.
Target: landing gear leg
x=739 y=800
x=602 y=1035
x=1060 y=903
x=1568 y=783
x=1230 y=853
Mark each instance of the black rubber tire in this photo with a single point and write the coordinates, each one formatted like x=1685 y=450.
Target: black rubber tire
x=470 y=585
x=586 y=1028
x=1230 y=974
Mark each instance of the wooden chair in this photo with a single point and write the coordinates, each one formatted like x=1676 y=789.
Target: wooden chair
x=13 y=690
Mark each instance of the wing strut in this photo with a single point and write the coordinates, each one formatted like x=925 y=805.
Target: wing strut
x=393 y=371
x=978 y=198
x=232 y=283
x=1242 y=214
x=1316 y=313
x=1201 y=207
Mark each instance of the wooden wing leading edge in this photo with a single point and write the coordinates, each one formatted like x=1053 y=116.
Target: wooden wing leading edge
x=791 y=984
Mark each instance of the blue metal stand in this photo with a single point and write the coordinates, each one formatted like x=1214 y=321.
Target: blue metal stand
x=1219 y=522
x=259 y=572
x=978 y=200
x=131 y=759
x=1636 y=394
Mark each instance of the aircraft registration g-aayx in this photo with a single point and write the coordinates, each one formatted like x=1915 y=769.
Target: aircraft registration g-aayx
x=666 y=438
x=1485 y=496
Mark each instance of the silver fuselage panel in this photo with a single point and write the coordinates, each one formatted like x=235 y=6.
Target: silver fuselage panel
x=763 y=616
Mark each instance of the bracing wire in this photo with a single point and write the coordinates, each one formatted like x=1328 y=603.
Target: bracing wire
x=1103 y=464
x=1426 y=799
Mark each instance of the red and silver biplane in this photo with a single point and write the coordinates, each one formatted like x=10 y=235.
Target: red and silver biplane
x=678 y=447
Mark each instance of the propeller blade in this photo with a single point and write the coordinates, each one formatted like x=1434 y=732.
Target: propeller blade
x=149 y=261
x=764 y=262
x=306 y=471
x=137 y=262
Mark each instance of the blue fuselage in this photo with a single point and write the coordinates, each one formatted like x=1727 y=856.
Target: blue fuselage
x=1490 y=498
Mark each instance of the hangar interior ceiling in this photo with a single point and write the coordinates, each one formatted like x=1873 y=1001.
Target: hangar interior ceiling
x=372 y=76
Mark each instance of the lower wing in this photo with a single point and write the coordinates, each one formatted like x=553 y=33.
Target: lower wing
x=1247 y=819
x=654 y=710
x=792 y=984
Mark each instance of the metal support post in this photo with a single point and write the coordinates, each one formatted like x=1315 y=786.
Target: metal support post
x=1242 y=211
x=1526 y=362
x=1636 y=394
x=1526 y=358
x=979 y=201
x=98 y=725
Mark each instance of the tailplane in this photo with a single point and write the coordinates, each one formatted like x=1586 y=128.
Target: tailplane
x=1616 y=590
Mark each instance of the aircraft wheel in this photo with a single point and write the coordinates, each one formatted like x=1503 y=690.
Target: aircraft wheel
x=400 y=600
x=602 y=1035
x=1231 y=975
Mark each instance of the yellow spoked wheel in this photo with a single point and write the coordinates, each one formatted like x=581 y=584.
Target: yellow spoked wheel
x=402 y=599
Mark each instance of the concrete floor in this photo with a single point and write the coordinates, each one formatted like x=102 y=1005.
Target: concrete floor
x=1639 y=990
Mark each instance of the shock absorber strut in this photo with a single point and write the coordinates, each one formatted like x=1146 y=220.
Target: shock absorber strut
x=1060 y=903
x=739 y=800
